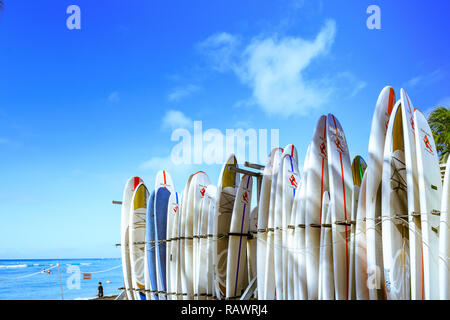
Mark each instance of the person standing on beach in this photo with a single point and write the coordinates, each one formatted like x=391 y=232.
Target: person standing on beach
x=100 y=290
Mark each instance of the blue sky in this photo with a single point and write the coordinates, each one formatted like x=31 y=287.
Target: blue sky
x=83 y=110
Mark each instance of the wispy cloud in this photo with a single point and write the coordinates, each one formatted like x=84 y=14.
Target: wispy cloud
x=425 y=79
x=274 y=68
x=174 y=119
x=222 y=50
x=114 y=97
x=182 y=92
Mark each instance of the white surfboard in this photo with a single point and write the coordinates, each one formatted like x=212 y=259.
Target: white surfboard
x=444 y=238
x=299 y=261
x=251 y=246
x=176 y=271
x=380 y=119
x=289 y=187
x=358 y=168
x=211 y=193
x=138 y=211
x=317 y=184
x=283 y=206
x=128 y=191
x=263 y=217
x=226 y=193
x=197 y=190
x=202 y=234
x=430 y=191
x=326 y=273
x=183 y=289
x=395 y=232
x=361 y=287
x=341 y=185
x=173 y=213
x=237 y=240
x=269 y=280
x=415 y=226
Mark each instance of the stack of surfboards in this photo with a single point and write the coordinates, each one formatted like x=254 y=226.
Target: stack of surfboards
x=330 y=228
x=148 y=220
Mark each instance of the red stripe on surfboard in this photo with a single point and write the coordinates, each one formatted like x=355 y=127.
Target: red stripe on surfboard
x=292 y=151
x=345 y=211
x=323 y=162
x=391 y=101
x=136 y=182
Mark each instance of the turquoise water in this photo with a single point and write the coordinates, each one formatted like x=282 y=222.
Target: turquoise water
x=24 y=280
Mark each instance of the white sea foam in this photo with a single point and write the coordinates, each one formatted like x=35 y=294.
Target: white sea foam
x=13 y=266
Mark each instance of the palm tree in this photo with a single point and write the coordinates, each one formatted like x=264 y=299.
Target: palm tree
x=439 y=121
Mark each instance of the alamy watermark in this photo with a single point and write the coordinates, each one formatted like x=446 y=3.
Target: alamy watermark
x=212 y=146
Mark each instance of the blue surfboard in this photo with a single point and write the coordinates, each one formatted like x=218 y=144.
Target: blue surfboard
x=150 y=244
x=161 y=204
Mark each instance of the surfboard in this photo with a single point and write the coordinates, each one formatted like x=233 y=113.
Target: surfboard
x=380 y=119
x=197 y=190
x=251 y=246
x=202 y=234
x=199 y=290
x=182 y=265
x=317 y=183
x=326 y=289
x=299 y=261
x=151 y=278
x=341 y=185
x=444 y=238
x=179 y=263
x=137 y=237
x=358 y=168
x=198 y=202
x=283 y=199
x=269 y=280
x=161 y=205
x=415 y=227
x=128 y=191
x=361 y=288
x=237 y=241
x=395 y=233
x=263 y=216
x=430 y=191
x=211 y=193
x=173 y=214
x=226 y=193
x=289 y=186
x=162 y=180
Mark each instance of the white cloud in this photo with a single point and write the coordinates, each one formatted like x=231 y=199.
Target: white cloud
x=182 y=92
x=174 y=119
x=114 y=97
x=274 y=69
x=348 y=83
x=425 y=79
x=221 y=48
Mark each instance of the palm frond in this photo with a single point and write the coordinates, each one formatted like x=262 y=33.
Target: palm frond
x=439 y=121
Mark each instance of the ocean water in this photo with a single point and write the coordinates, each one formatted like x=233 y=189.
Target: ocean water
x=24 y=280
